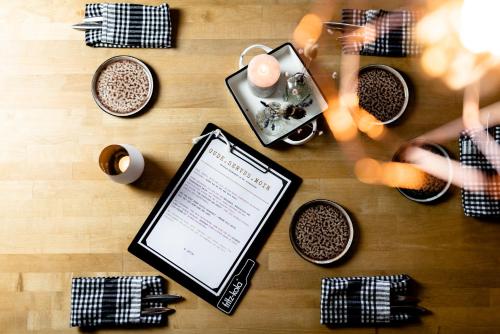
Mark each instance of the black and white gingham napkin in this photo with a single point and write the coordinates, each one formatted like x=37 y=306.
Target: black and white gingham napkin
x=385 y=33
x=97 y=301
x=480 y=198
x=128 y=25
x=362 y=300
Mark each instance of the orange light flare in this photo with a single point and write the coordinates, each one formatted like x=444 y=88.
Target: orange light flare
x=368 y=170
x=471 y=119
x=468 y=178
x=310 y=27
x=412 y=175
x=368 y=124
x=402 y=175
x=456 y=40
x=488 y=116
x=308 y=31
x=338 y=115
x=392 y=174
x=470 y=114
x=340 y=122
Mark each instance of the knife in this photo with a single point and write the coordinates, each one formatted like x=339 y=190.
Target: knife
x=157 y=310
x=162 y=298
x=410 y=309
x=89 y=23
x=341 y=26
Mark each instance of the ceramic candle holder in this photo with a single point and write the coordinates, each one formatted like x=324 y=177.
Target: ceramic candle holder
x=122 y=163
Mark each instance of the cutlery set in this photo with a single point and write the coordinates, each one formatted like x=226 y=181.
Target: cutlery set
x=165 y=298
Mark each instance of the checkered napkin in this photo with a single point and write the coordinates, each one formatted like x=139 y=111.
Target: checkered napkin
x=480 y=198
x=129 y=26
x=362 y=300
x=385 y=33
x=97 y=301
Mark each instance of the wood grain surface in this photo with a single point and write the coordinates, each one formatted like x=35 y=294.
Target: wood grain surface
x=61 y=217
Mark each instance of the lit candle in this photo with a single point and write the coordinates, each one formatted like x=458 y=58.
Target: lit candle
x=123 y=163
x=263 y=75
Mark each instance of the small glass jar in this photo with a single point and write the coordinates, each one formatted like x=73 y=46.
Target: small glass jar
x=270 y=119
x=297 y=89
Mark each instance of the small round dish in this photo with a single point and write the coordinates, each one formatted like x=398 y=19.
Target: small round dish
x=140 y=104
x=303 y=134
x=438 y=149
x=323 y=227
x=400 y=79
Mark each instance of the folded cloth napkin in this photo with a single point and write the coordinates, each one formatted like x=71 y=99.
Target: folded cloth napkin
x=97 y=301
x=480 y=198
x=385 y=33
x=127 y=25
x=362 y=300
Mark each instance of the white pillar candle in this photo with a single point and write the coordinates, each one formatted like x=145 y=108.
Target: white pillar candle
x=122 y=163
x=263 y=75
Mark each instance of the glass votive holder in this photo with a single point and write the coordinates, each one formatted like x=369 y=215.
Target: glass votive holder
x=123 y=163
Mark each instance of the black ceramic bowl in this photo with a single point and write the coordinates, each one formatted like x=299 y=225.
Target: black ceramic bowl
x=430 y=196
x=398 y=77
x=321 y=227
x=103 y=66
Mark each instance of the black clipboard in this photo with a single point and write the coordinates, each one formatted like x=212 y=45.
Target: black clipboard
x=236 y=281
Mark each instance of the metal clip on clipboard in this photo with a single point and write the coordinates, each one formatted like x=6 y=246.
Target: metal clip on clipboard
x=231 y=148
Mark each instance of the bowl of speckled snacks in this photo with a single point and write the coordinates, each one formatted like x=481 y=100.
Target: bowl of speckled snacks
x=383 y=92
x=321 y=231
x=122 y=86
x=431 y=188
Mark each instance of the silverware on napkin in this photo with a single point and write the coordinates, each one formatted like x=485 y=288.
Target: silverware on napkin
x=157 y=310
x=89 y=23
x=341 y=26
x=165 y=298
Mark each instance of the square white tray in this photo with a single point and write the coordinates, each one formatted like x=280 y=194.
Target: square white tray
x=250 y=104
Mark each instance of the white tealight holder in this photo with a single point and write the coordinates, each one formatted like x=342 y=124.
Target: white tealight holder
x=123 y=163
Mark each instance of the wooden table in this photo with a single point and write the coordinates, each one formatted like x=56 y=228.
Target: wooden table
x=61 y=217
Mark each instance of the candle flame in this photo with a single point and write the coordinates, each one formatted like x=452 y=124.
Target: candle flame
x=263 y=69
x=124 y=163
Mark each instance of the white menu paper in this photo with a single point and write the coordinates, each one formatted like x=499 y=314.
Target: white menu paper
x=215 y=213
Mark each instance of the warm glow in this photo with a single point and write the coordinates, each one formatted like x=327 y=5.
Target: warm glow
x=392 y=174
x=123 y=163
x=264 y=69
x=341 y=124
x=479 y=25
x=432 y=28
x=376 y=131
x=470 y=113
x=458 y=41
x=402 y=175
x=435 y=61
x=349 y=100
x=368 y=170
x=368 y=124
x=308 y=31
